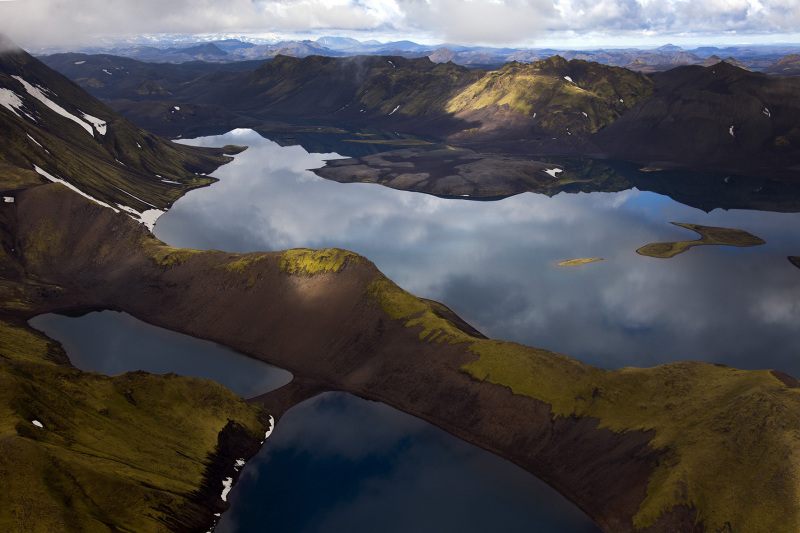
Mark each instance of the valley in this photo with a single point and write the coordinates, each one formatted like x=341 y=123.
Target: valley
x=666 y=447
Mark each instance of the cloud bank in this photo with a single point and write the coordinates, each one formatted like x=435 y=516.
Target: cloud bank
x=512 y=22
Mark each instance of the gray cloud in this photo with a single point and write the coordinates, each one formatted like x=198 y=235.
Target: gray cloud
x=51 y=22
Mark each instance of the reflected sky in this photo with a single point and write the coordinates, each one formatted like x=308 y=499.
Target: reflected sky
x=494 y=263
x=112 y=343
x=339 y=463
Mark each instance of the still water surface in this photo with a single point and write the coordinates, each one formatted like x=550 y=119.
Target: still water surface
x=494 y=263
x=112 y=343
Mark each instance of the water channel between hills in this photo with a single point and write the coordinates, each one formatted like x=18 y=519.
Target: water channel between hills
x=340 y=463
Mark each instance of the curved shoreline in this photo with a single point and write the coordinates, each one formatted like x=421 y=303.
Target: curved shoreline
x=336 y=323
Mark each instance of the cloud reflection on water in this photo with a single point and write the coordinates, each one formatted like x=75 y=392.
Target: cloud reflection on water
x=339 y=463
x=494 y=262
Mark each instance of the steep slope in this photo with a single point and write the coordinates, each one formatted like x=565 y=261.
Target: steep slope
x=549 y=97
x=107 y=76
x=80 y=451
x=786 y=66
x=52 y=126
x=719 y=117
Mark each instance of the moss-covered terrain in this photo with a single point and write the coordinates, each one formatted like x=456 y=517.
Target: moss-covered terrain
x=115 y=162
x=662 y=448
x=575 y=97
x=579 y=261
x=81 y=451
x=720 y=429
x=709 y=235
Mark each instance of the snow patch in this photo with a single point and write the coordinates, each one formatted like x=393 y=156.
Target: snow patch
x=79 y=62
x=177 y=108
x=239 y=463
x=766 y=112
x=107 y=72
x=37 y=423
x=39 y=95
x=74 y=188
x=553 y=172
x=170 y=181
x=35 y=141
x=139 y=146
x=392 y=64
x=11 y=100
x=147 y=217
x=227 y=485
x=271 y=427
x=132 y=196
x=8 y=199
x=395 y=109
x=568 y=79
x=584 y=114
x=730 y=130
x=99 y=125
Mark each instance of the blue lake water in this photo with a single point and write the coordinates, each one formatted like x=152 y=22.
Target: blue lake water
x=339 y=463
x=112 y=343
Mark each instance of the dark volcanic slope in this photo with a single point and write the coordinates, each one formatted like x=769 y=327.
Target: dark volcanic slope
x=52 y=125
x=718 y=117
x=713 y=117
x=786 y=66
x=110 y=77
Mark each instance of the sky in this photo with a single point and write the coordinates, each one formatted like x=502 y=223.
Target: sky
x=518 y=23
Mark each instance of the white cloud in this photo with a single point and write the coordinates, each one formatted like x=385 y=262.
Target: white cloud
x=42 y=22
x=481 y=21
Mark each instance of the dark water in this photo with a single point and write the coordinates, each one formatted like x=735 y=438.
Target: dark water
x=339 y=463
x=112 y=343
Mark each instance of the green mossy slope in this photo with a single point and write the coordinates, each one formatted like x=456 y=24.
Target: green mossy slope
x=118 y=163
x=731 y=437
x=561 y=95
x=128 y=452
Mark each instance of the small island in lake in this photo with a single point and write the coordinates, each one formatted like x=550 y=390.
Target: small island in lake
x=709 y=235
x=582 y=261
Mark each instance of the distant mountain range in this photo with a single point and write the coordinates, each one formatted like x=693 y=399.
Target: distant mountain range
x=716 y=115
x=233 y=50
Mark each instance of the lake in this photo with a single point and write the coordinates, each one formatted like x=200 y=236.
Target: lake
x=339 y=463
x=495 y=263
